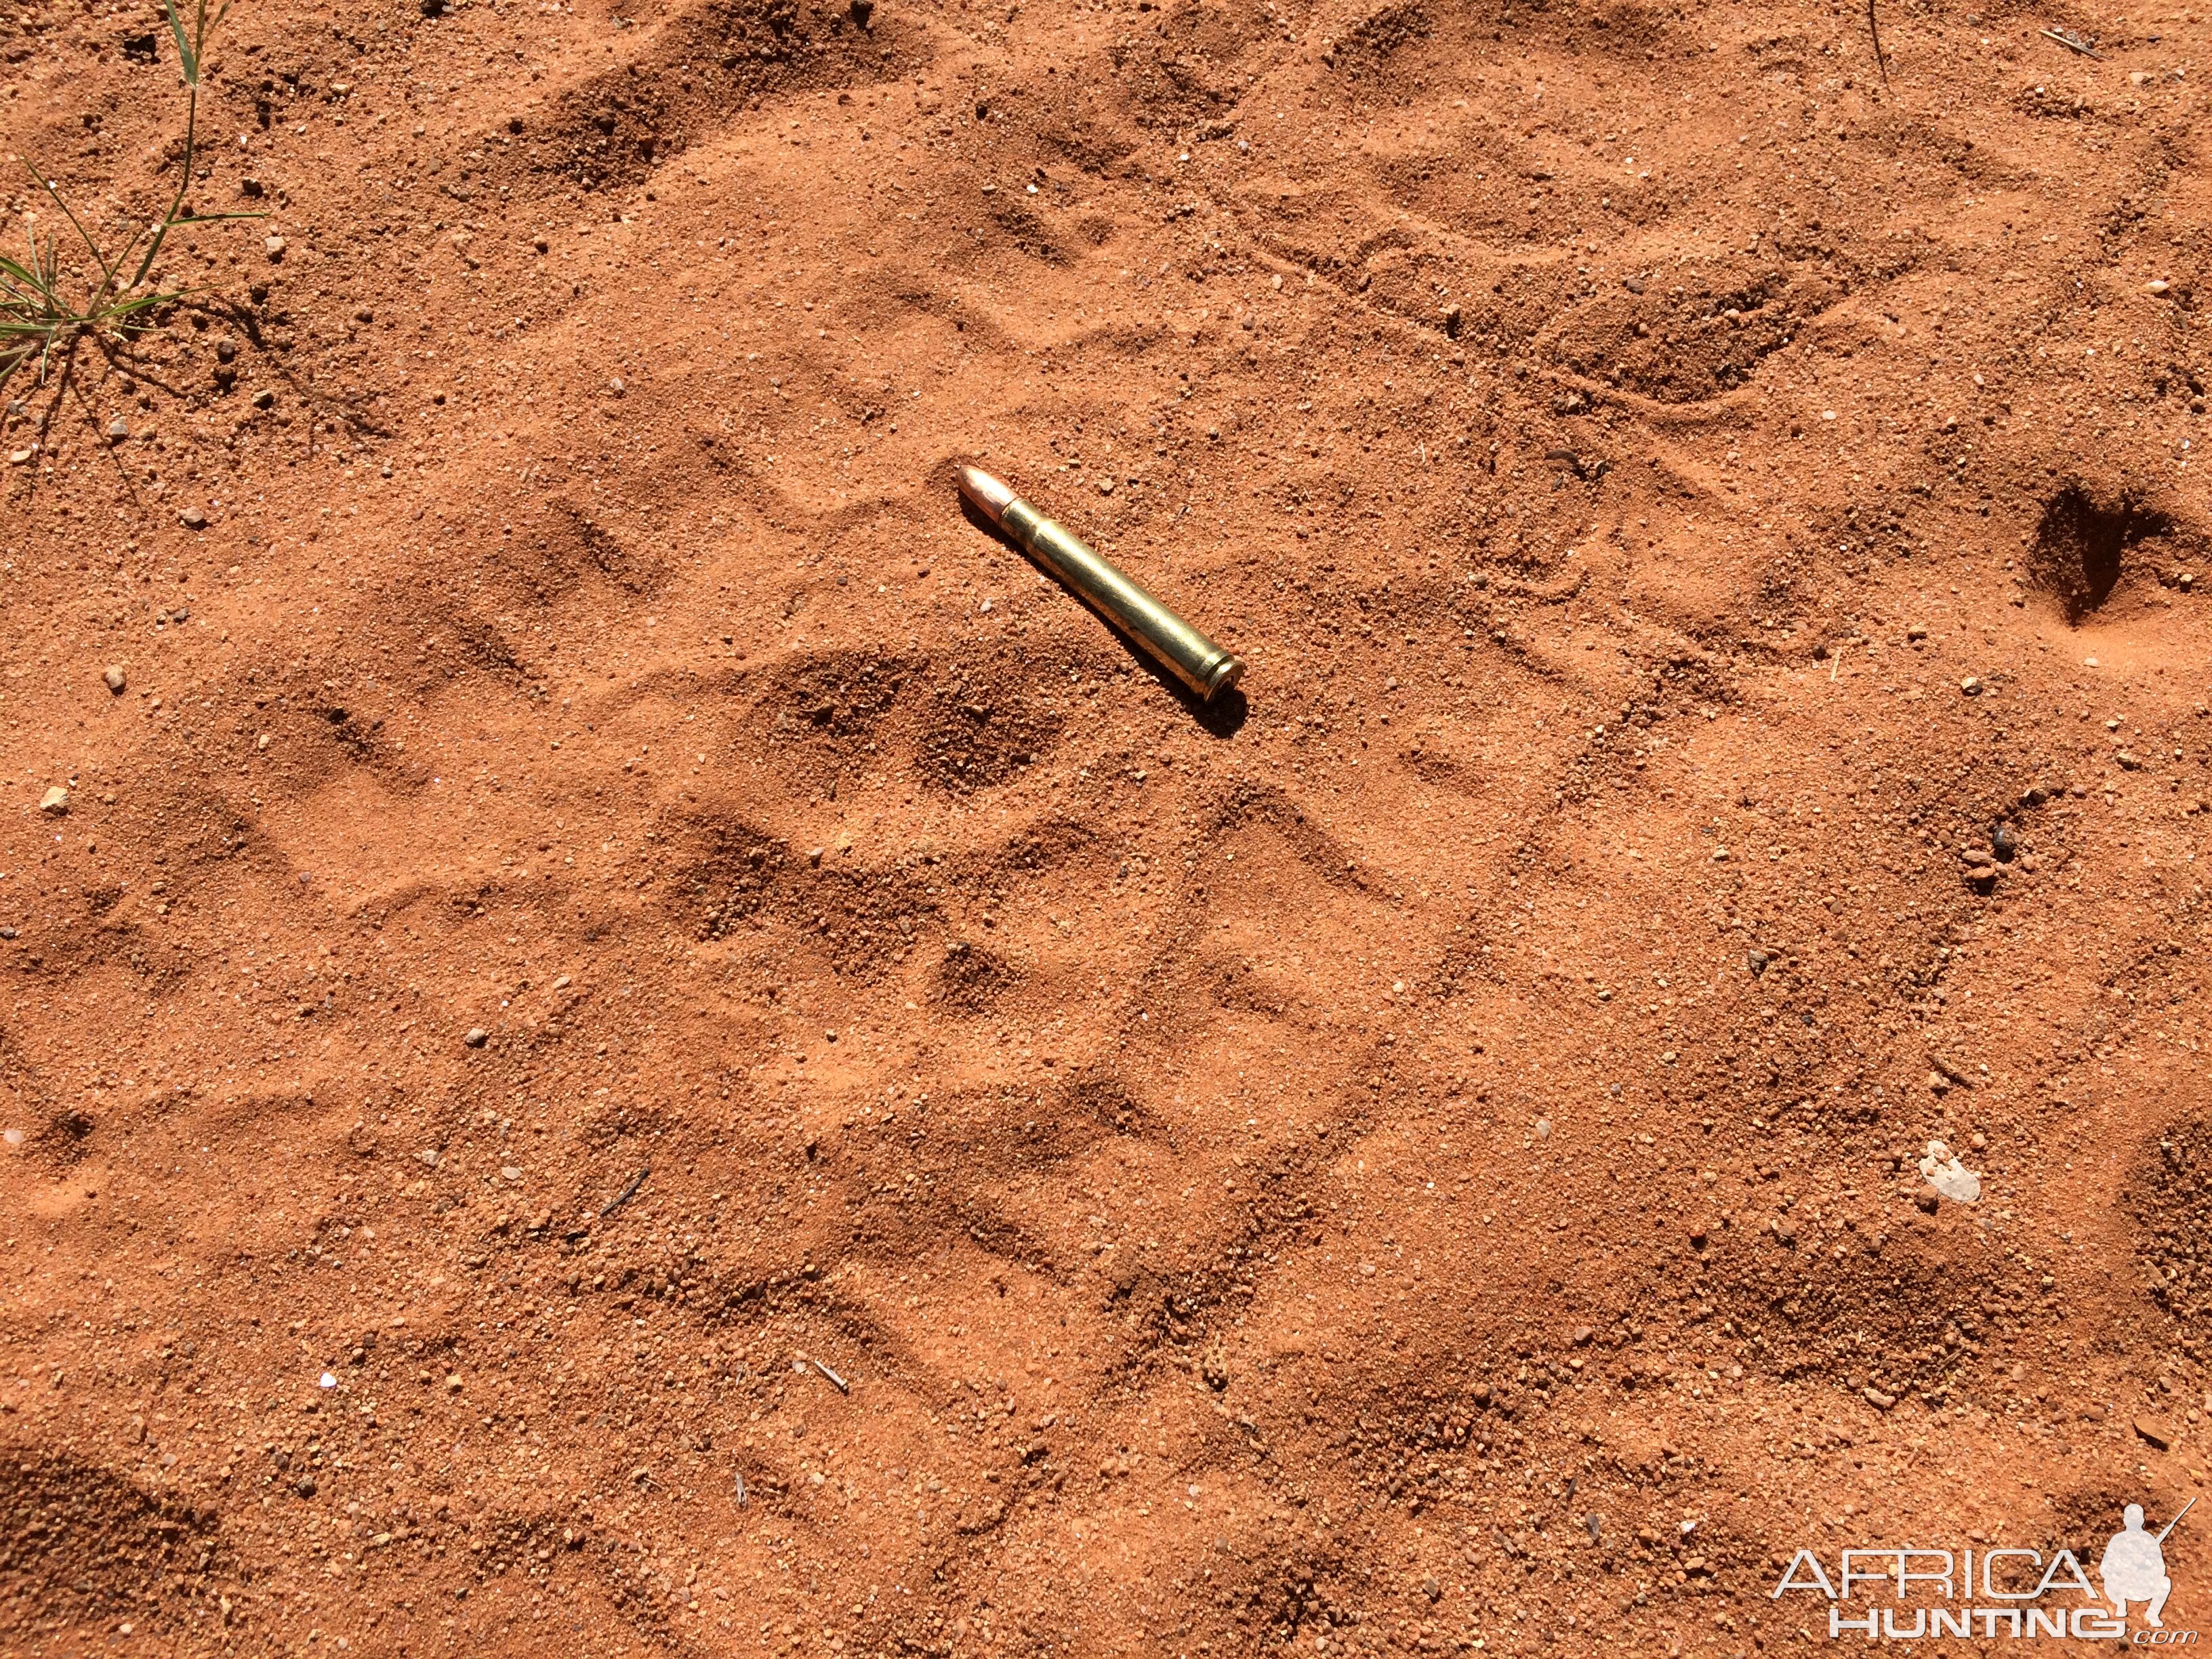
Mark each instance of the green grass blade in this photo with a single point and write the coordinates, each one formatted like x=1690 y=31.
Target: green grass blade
x=130 y=309
x=121 y=259
x=106 y=271
x=153 y=252
x=184 y=180
x=18 y=276
x=185 y=55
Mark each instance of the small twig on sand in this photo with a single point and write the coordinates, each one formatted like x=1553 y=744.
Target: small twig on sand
x=627 y=1193
x=843 y=1387
x=1881 y=63
x=2071 y=42
x=1957 y=1074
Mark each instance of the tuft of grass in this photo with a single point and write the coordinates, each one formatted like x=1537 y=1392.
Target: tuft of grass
x=45 y=308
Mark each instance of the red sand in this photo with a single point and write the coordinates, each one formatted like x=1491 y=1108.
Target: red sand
x=1423 y=1155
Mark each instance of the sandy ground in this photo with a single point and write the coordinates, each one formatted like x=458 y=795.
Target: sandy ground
x=635 y=1038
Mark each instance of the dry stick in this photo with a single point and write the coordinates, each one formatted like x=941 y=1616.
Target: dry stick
x=1955 y=1073
x=1873 y=27
x=627 y=1193
x=2071 y=43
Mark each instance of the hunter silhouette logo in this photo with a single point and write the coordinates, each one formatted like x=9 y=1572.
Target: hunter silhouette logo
x=2134 y=1566
x=1997 y=1590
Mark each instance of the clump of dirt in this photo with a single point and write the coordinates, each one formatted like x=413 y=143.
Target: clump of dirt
x=971 y=979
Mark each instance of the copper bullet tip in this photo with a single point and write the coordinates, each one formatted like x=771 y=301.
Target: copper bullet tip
x=990 y=495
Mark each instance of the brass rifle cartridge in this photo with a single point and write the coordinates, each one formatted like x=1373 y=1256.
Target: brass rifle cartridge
x=1194 y=661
